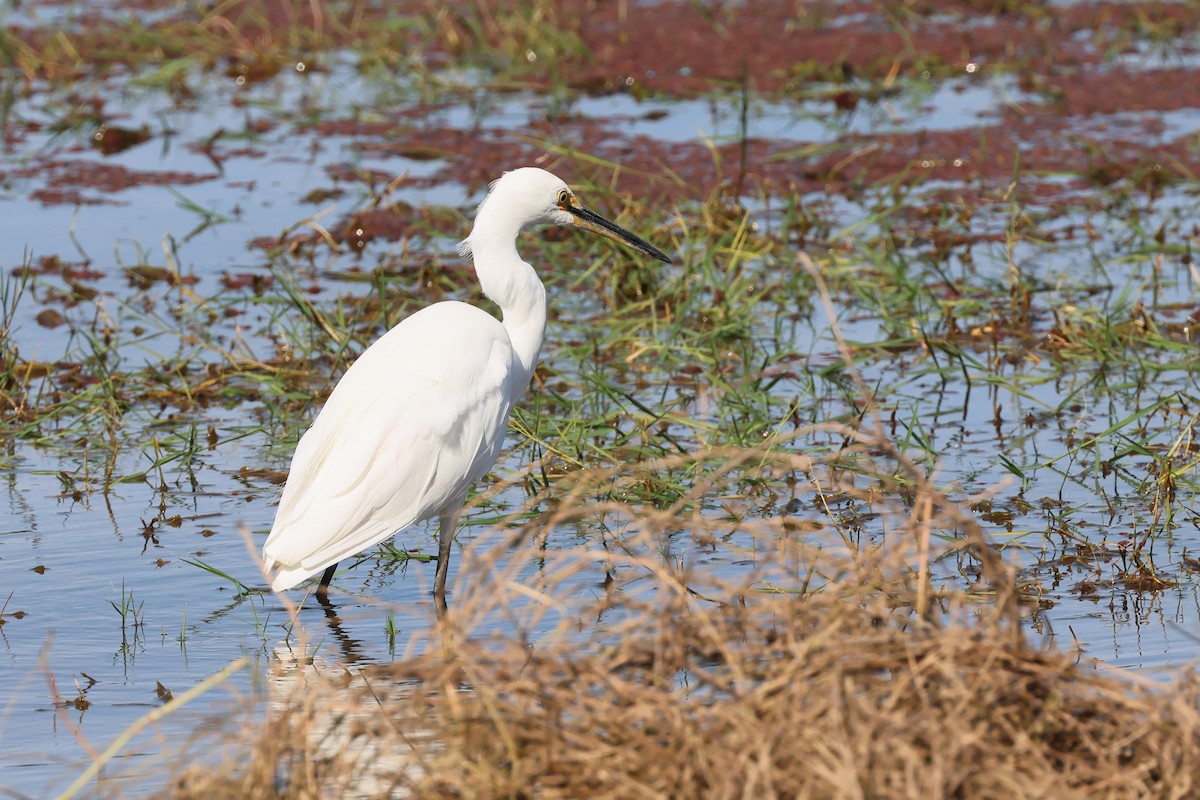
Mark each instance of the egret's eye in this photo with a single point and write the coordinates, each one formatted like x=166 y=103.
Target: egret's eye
x=564 y=198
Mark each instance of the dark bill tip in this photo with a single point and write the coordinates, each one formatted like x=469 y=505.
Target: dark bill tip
x=594 y=222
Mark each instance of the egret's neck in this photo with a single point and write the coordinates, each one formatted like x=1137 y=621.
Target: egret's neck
x=514 y=286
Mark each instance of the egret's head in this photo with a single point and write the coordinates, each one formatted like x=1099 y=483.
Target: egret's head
x=529 y=196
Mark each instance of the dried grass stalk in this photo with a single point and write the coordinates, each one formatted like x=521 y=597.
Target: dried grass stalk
x=862 y=680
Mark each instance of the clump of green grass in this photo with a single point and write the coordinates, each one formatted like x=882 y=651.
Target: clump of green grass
x=251 y=43
x=130 y=610
x=13 y=379
x=722 y=349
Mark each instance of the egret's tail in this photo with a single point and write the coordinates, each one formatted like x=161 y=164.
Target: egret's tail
x=284 y=576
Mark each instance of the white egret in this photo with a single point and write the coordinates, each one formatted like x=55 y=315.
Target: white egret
x=421 y=415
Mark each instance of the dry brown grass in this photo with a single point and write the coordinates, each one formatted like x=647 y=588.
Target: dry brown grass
x=864 y=679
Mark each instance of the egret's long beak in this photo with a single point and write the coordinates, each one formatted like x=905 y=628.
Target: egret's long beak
x=598 y=224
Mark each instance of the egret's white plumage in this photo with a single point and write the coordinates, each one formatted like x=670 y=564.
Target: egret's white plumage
x=336 y=504
x=421 y=415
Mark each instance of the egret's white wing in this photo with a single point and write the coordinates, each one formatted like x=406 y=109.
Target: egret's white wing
x=415 y=420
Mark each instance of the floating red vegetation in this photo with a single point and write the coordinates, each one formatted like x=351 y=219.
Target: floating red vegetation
x=110 y=139
x=66 y=179
x=849 y=58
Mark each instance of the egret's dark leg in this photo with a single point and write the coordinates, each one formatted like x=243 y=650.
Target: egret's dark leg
x=326 y=578
x=447 y=523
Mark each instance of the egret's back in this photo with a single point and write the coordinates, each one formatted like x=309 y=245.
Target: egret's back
x=417 y=419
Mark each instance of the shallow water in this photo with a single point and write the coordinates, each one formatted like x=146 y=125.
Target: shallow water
x=68 y=563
